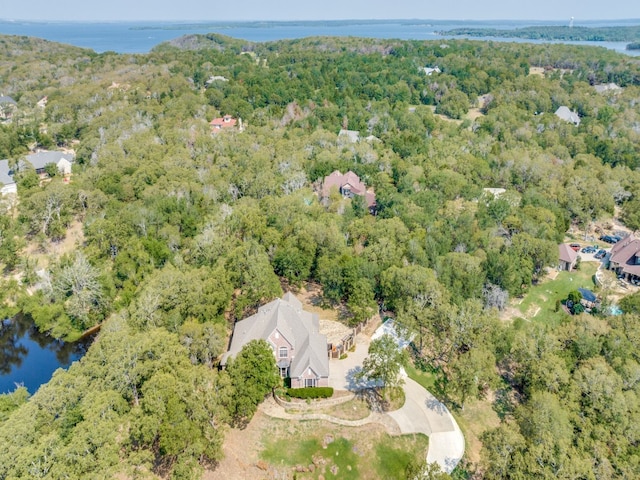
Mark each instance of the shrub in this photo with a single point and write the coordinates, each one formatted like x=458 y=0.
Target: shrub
x=311 y=392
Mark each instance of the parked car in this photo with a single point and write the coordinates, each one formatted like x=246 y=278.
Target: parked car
x=574 y=246
x=601 y=254
x=609 y=239
x=589 y=250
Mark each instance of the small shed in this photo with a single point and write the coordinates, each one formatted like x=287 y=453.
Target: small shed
x=567 y=257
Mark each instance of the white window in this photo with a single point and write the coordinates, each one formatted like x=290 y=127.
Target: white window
x=283 y=352
x=309 y=382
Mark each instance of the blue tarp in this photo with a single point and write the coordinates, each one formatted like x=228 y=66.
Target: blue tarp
x=588 y=295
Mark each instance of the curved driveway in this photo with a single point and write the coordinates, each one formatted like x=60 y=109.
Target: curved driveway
x=421 y=413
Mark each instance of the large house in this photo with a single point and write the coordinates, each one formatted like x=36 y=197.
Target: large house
x=41 y=159
x=625 y=258
x=300 y=351
x=568 y=257
x=348 y=185
x=564 y=113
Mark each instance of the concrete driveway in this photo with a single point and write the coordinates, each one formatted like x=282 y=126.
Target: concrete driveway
x=421 y=413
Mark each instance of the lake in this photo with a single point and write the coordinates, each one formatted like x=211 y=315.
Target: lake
x=29 y=357
x=141 y=37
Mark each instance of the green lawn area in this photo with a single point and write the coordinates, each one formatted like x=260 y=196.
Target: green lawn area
x=379 y=456
x=425 y=378
x=540 y=301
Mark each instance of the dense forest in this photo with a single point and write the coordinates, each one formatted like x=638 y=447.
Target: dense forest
x=184 y=232
x=564 y=33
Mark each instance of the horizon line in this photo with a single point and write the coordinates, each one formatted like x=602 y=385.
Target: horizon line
x=201 y=21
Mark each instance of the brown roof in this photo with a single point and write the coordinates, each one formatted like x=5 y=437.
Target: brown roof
x=624 y=253
x=223 y=122
x=350 y=179
x=566 y=253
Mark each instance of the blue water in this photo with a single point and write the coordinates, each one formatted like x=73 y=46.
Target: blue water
x=141 y=37
x=29 y=358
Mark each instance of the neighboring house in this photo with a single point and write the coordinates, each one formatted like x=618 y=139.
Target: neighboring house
x=567 y=115
x=301 y=352
x=352 y=136
x=607 y=87
x=216 y=78
x=494 y=192
x=40 y=160
x=7 y=107
x=43 y=102
x=6 y=179
x=624 y=258
x=223 y=123
x=348 y=185
x=567 y=256
x=430 y=71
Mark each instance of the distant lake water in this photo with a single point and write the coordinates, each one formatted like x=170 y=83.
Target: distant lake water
x=29 y=358
x=141 y=37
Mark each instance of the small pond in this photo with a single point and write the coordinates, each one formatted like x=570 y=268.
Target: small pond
x=29 y=358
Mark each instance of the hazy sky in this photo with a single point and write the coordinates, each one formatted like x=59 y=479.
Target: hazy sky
x=204 y=10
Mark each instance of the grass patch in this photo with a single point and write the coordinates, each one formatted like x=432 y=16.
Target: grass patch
x=477 y=417
x=393 y=455
x=336 y=459
x=339 y=452
x=425 y=378
x=542 y=298
x=352 y=410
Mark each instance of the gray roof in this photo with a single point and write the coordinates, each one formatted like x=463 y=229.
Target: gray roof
x=5 y=99
x=298 y=327
x=352 y=135
x=567 y=115
x=6 y=175
x=40 y=159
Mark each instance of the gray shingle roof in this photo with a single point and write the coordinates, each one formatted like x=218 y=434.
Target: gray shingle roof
x=6 y=175
x=298 y=327
x=40 y=159
x=5 y=99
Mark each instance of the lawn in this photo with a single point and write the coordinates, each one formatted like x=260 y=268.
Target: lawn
x=540 y=301
x=425 y=378
x=344 y=452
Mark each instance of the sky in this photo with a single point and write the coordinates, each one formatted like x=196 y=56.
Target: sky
x=210 y=10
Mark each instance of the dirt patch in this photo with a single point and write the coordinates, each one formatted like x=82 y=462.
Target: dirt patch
x=335 y=331
x=536 y=71
x=54 y=250
x=474 y=113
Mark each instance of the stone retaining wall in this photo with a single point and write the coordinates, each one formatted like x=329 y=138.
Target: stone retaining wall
x=316 y=404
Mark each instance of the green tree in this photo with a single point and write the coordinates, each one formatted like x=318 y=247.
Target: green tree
x=384 y=362
x=254 y=374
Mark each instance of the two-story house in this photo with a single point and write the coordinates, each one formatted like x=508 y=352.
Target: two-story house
x=299 y=349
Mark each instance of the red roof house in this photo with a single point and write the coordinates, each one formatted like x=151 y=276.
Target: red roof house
x=348 y=185
x=223 y=123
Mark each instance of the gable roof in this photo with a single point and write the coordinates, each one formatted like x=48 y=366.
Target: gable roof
x=40 y=159
x=352 y=135
x=223 y=122
x=5 y=99
x=6 y=175
x=298 y=327
x=566 y=253
x=624 y=254
x=567 y=115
